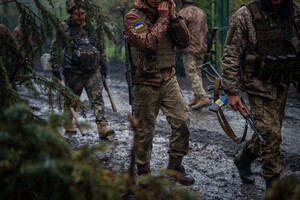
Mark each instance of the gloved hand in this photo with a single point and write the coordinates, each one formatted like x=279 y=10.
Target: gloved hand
x=56 y=74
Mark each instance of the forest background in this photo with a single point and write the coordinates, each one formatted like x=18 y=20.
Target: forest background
x=218 y=15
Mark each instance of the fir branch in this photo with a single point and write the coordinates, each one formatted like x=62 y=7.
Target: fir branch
x=51 y=88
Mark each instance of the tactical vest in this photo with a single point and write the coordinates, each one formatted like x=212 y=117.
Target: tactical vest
x=277 y=48
x=163 y=58
x=83 y=52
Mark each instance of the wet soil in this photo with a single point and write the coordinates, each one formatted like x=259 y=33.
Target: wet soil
x=211 y=153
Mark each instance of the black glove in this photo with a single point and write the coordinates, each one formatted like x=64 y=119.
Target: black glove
x=103 y=64
x=56 y=74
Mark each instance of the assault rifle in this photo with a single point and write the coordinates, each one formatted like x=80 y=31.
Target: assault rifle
x=220 y=101
x=128 y=65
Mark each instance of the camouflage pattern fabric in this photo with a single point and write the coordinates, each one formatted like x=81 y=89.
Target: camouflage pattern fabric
x=268 y=114
x=147 y=37
x=267 y=100
x=78 y=79
x=195 y=19
x=193 y=55
x=191 y=65
x=159 y=90
x=241 y=33
x=147 y=102
x=92 y=82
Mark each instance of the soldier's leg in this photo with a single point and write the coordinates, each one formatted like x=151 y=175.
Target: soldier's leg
x=178 y=117
x=146 y=103
x=268 y=115
x=75 y=82
x=191 y=65
x=94 y=88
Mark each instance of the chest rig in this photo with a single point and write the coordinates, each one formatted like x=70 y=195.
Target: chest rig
x=83 y=53
x=273 y=57
x=163 y=58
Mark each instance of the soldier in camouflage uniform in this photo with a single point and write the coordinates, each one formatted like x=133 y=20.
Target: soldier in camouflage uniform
x=84 y=63
x=261 y=57
x=154 y=31
x=193 y=55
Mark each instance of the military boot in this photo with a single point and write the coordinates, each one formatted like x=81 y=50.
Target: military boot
x=181 y=176
x=201 y=102
x=243 y=162
x=193 y=102
x=103 y=130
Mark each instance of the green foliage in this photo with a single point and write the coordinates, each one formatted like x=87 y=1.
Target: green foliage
x=287 y=187
x=35 y=163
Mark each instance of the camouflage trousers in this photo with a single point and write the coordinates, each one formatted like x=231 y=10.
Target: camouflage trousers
x=148 y=100
x=268 y=114
x=191 y=65
x=91 y=81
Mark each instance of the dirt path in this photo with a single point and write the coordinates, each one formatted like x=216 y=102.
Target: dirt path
x=210 y=159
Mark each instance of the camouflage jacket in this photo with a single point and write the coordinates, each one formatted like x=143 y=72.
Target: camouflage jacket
x=195 y=20
x=240 y=35
x=60 y=47
x=148 y=36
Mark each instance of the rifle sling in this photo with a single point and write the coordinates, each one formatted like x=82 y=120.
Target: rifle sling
x=223 y=121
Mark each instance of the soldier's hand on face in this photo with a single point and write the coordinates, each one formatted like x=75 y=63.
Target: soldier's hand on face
x=172 y=9
x=163 y=9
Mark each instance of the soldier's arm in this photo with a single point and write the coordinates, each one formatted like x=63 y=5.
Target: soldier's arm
x=179 y=32
x=236 y=42
x=142 y=37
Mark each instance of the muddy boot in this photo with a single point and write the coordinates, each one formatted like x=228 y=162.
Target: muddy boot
x=201 y=102
x=243 y=162
x=270 y=181
x=103 y=131
x=177 y=171
x=180 y=175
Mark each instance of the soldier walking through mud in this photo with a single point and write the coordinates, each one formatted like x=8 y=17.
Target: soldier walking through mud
x=154 y=30
x=193 y=55
x=84 y=64
x=261 y=57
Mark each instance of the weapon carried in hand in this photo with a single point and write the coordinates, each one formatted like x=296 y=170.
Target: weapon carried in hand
x=128 y=65
x=112 y=102
x=220 y=101
x=250 y=121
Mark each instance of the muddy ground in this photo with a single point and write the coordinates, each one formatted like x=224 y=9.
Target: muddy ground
x=210 y=158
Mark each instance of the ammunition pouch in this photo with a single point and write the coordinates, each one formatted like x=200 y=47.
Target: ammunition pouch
x=86 y=58
x=275 y=69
